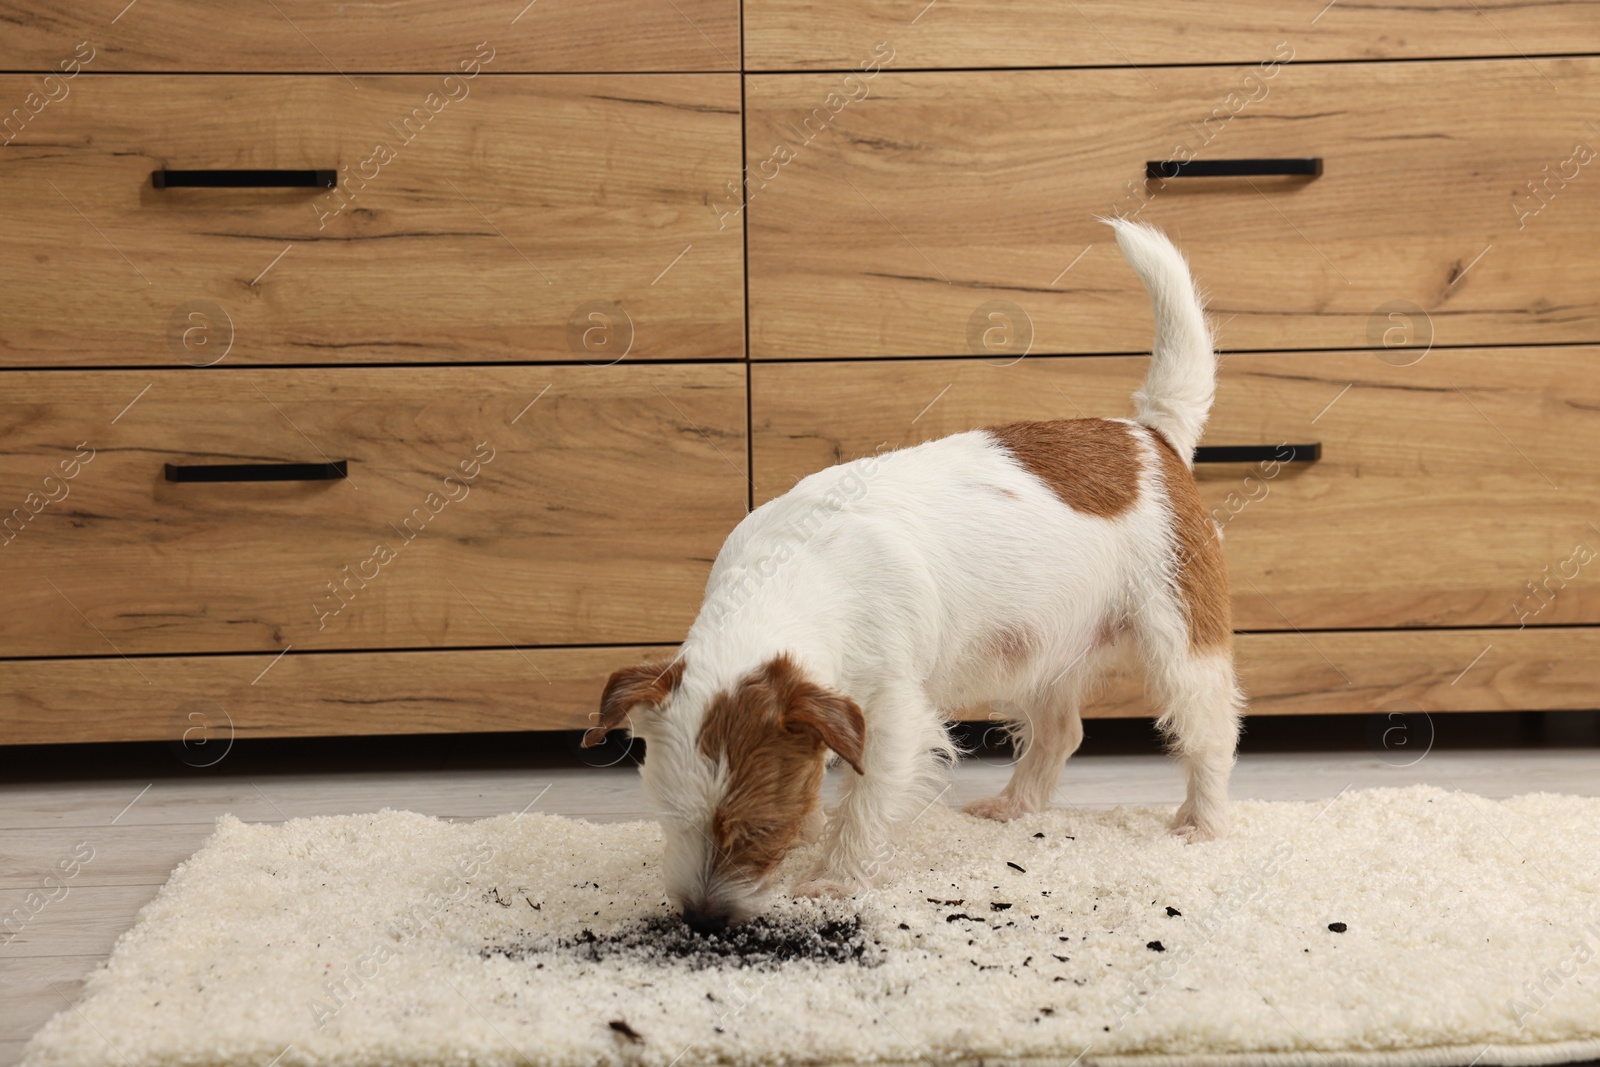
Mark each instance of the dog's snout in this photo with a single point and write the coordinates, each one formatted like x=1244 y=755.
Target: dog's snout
x=703 y=919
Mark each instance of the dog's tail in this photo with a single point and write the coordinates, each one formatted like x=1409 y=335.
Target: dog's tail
x=1176 y=396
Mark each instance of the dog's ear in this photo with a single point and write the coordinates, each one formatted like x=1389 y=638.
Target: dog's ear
x=833 y=717
x=647 y=684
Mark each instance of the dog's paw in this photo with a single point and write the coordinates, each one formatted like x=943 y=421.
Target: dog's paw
x=1194 y=830
x=999 y=808
x=831 y=888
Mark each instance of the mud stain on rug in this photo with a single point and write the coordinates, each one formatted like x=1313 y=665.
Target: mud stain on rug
x=763 y=942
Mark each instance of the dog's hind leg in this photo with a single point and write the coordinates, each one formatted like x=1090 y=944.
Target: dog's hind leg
x=1200 y=717
x=1047 y=733
x=1198 y=698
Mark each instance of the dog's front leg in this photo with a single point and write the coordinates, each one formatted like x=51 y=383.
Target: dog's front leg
x=854 y=851
x=857 y=845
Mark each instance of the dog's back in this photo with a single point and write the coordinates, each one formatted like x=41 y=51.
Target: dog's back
x=993 y=559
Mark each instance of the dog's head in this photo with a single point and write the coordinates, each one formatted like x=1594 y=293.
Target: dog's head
x=736 y=772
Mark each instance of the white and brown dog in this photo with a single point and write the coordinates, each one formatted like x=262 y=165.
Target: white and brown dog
x=996 y=566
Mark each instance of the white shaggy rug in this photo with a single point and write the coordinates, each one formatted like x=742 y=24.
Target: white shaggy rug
x=1413 y=926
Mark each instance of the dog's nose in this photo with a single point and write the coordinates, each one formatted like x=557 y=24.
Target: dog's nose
x=705 y=920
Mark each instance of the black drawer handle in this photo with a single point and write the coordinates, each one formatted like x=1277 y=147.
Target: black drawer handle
x=259 y=472
x=244 y=179
x=1258 y=453
x=1233 y=168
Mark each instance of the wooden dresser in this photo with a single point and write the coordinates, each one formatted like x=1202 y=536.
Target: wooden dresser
x=477 y=290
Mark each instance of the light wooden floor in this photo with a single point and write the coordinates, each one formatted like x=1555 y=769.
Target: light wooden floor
x=140 y=827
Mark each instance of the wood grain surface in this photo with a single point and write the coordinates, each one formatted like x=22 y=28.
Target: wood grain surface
x=202 y=703
x=837 y=34
x=485 y=506
x=305 y=36
x=1455 y=491
x=199 y=704
x=475 y=220
x=888 y=215
x=1400 y=674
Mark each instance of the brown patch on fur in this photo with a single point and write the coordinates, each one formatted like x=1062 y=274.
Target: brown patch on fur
x=647 y=683
x=1201 y=570
x=772 y=732
x=1091 y=464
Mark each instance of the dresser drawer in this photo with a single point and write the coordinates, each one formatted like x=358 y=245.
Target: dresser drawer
x=911 y=215
x=532 y=217
x=201 y=704
x=831 y=34
x=1456 y=491
x=483 y=506
x=397 y=35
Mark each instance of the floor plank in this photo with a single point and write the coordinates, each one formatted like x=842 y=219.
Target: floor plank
x=116 y=855
x=447 y=794
x=87 y=921
x=31 y=994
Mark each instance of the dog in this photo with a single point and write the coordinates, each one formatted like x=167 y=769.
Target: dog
x=1007 y=566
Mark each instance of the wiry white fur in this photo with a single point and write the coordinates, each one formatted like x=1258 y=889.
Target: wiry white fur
x=685 y=786
x=1177 y=392
x=888 y=578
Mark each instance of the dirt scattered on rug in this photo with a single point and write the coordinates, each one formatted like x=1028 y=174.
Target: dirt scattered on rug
x=621 y=1026
x=765 y=941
